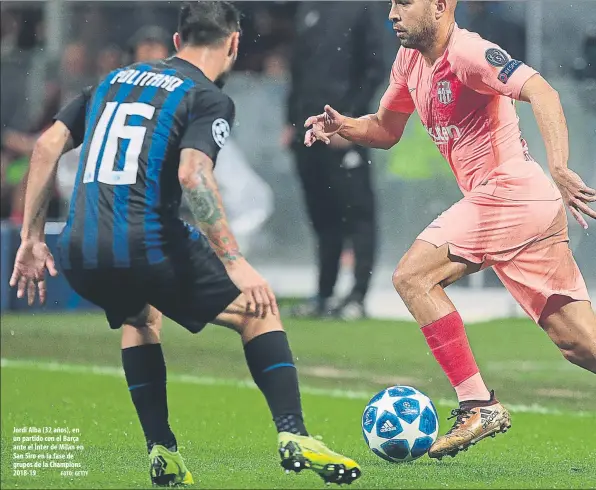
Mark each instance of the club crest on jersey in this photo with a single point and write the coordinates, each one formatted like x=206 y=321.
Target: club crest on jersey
x=220 y=131
x=444 y=92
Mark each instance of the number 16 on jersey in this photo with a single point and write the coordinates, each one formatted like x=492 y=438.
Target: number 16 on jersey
x=117 y=130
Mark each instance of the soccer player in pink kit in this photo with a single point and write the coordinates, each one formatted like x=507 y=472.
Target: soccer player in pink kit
x=511 y=218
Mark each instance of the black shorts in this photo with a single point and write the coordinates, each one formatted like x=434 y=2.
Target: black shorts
x=191 y=286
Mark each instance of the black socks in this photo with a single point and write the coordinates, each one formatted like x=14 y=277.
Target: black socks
x=270 y=362
x=145 y=371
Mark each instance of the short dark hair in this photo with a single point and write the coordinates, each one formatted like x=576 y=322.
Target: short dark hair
x=204 y=23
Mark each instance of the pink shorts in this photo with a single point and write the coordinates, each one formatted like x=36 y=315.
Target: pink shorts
x=526 y=243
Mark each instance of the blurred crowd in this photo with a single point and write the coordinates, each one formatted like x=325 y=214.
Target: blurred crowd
x=101 y=36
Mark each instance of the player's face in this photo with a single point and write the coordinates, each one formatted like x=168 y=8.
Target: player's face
x=413 y=22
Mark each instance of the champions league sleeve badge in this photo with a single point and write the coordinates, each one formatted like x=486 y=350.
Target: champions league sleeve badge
x=496 y=57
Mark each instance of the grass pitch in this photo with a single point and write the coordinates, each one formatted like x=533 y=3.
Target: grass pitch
x=63 y=371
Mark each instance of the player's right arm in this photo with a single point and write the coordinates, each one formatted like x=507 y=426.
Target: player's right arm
x=33 y=257
x=381 y=130
x=211 y=117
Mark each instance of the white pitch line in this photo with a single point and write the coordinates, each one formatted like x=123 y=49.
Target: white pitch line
x=206 y=380
x=522 y=367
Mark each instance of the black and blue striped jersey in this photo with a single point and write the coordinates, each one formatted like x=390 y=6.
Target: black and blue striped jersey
x=132 y=127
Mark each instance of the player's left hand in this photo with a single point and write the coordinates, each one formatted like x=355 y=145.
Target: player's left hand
x=31 y=262
x=576 y=195
x=260 y=299
x=323 y=126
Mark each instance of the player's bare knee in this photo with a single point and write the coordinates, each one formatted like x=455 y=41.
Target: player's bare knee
x=238 y=322
x=581 y=359
x=148 y=318
x=243 y=320
x=259 y=326
x=235 y=316
x=248 y=326
x=407 y=281
x=570 y=355
x=581 y=353
x=586 y=354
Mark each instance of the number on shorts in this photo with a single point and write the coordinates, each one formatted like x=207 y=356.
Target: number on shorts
x=116 y=131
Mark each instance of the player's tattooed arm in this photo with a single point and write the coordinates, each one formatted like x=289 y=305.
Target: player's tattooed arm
x=42 y=175
x=204 y=200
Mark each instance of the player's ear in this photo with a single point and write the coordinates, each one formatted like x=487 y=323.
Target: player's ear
x=441 y=7
x=177 y=41
x=234 y=44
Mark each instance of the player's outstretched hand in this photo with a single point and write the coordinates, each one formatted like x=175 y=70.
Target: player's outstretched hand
x=323 y=126
x=259 y=296
x=576 y=195
x=31 y=262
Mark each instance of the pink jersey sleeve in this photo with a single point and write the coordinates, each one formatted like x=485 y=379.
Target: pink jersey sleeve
x=486 y=68
x=397 y=97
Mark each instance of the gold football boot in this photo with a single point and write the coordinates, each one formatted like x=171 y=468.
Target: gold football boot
x=474 y=420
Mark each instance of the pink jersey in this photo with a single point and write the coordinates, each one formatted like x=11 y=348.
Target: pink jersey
x=465 y=102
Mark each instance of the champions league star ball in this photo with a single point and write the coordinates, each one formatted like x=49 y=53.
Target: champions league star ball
x=400 y=424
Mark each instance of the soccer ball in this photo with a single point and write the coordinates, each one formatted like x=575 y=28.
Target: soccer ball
x=400 y=424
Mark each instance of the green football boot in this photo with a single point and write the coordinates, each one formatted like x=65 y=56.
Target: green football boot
x=304 y=452
x=168 y=468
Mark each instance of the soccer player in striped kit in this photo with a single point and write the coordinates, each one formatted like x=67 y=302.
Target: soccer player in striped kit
x=150 y=134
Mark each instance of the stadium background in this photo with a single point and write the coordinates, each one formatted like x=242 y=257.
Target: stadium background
x=51 y=49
